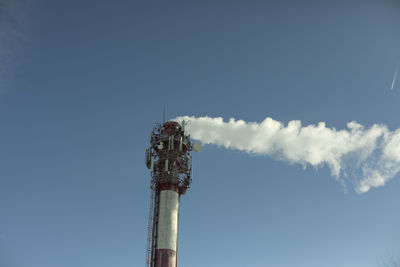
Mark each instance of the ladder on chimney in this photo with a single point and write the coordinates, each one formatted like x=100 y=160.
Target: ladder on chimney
x=152 y=228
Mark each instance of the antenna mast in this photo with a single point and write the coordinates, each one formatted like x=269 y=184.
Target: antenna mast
x=163 y=121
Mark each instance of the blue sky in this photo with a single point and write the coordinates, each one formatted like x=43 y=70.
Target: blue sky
x=88 y=79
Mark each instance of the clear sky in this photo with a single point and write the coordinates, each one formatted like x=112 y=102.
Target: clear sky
x=82 y=83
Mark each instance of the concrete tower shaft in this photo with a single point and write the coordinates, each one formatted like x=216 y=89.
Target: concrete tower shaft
x=170 y=163
x=167 y=238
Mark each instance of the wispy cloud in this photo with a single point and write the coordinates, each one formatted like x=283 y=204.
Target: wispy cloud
x=363 y=157
x=395 y=76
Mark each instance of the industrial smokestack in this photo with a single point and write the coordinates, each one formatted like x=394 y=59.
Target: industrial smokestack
x=365 y=157
x=170 y=162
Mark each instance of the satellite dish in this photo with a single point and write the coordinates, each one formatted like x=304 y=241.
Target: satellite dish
x=196 y=147
x=160 y=146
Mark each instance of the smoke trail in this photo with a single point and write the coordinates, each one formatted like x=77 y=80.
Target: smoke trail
x=364 y=157
x=395 y=76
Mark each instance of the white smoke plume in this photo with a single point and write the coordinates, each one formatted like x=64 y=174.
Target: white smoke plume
x=364 y=157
